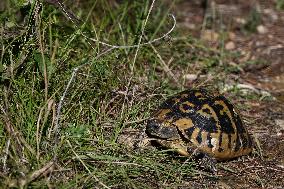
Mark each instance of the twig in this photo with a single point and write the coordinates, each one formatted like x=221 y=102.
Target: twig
x=44 y=170
x=15 y=183
x=122 y=163
x=42 y=119
x=228 y=169
x=258 y=146
x=165 y=66
x=135 y=121
x=68 y=13
x=142 y=34
x=14 y=133
x=58 y=116
x=6 y=153
x=142 y=44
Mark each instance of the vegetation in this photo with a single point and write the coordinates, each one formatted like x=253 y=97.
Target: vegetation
x=69 y=87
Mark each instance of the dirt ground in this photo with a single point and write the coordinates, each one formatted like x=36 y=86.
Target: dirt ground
x=255 y=29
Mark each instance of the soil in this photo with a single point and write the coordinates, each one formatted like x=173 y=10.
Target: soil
x=254 y=29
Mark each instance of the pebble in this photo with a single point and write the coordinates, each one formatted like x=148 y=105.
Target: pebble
x=261 y=29
x=209 y=35
x=190 y=77
x=230 y=45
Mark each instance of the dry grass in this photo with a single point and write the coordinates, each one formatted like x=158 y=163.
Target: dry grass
x=72 y=83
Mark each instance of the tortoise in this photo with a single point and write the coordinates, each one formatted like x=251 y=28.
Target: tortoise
x=195 y=122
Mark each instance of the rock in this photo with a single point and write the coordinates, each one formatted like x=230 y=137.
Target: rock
x=230 y=45
x=134 y=139
x=271 y=13
x=232 y=36
x=241 y=21
x=209 y=35
x=280 y=126
x=261 y=29
x=190 y=77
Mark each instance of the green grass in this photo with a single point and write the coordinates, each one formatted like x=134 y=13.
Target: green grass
x=110 y=93
x=280 y=4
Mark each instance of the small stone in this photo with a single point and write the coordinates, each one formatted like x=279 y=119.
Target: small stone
x=230 y=45
x=209 y=35
x=261 y=29
x=280 y=128
x=280 y=123
x=190 y=77
x=241 y=21
x=134 y=139
x=232 y=36
x=189 y=25
x=271 y=13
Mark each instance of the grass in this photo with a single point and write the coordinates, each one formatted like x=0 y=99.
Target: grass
x=112 y=91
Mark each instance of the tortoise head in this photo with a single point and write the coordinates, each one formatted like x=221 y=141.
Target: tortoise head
x=162 y=130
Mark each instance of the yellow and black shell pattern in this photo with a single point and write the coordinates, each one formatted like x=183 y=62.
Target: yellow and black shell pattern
x=195 y=119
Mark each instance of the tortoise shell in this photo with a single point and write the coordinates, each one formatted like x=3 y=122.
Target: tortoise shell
x=196 y=120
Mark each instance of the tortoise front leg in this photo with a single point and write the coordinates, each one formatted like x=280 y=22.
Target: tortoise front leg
x=204 y=160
